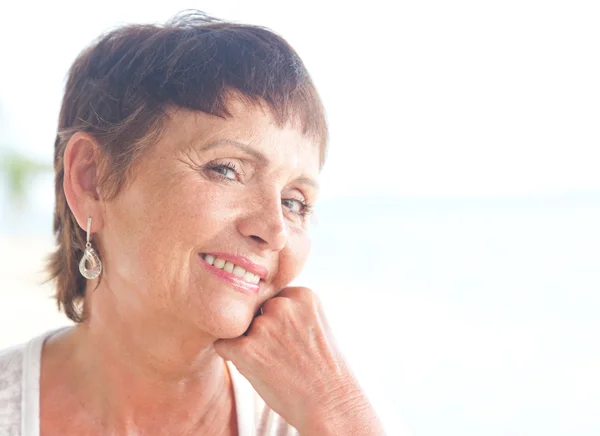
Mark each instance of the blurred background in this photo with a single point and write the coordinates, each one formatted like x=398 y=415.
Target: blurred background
x=457 y=248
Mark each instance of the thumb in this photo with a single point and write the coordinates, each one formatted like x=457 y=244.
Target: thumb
x=231 y=349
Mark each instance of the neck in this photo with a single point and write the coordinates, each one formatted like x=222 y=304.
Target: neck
x=136 y=376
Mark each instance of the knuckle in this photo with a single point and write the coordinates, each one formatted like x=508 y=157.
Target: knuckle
x=277 y=304
x=308 y=296
x=244 y=346
x=259 y=325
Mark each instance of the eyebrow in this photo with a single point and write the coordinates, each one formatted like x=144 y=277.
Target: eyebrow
x=245 y=147
x=303 y=180
x=307 y=181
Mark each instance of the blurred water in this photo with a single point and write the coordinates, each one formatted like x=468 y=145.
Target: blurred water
x=460 y=316
x=473 y=316
x=518 y=258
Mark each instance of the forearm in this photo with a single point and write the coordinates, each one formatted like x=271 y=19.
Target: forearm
x=351 y=415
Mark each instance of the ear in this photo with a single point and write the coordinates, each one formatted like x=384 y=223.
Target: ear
x=80 y=181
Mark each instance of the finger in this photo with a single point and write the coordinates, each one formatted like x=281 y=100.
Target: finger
x=296 y=292
x=302 y=294
x=231 y=349
x=308 y=297
x=276 y=305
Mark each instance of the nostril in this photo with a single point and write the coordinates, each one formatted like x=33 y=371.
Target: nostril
x=258 y=239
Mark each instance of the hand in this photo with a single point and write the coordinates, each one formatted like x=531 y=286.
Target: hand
x=289 y=357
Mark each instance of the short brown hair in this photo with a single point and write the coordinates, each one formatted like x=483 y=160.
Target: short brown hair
x=119 y=90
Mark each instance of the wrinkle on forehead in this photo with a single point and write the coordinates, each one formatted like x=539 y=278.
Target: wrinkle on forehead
x=250 y=123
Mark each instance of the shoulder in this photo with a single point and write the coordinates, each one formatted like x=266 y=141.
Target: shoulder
x=11 y=375
x=19 y=387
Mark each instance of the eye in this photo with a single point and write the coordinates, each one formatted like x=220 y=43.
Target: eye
x=296 y=206
x=225 y=171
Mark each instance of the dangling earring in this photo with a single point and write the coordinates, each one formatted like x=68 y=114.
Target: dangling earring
x=91 y=256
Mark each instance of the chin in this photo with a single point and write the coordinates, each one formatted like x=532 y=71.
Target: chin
x=227 y=321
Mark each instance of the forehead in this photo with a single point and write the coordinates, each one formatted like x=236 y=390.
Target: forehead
x=253 y=125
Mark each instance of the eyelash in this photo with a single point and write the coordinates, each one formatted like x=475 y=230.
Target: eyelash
x=307 y=208
x=227 y=165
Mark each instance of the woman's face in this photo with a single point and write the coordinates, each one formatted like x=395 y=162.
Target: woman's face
x=213 y=222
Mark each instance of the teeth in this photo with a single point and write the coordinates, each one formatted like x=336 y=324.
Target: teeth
x=238 y=271
x=231 y=268
x=251 y=278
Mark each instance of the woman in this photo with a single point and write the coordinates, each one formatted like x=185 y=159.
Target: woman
x=187 y=160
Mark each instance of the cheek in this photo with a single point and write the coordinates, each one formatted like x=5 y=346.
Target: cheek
x=144 y=232
x=293 y=257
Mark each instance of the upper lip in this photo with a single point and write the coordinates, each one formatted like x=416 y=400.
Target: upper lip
x=245 y=263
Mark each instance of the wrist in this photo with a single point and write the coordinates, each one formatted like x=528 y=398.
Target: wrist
x=346 y=412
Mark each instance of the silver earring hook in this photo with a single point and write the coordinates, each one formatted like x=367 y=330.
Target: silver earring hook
x=89 y=227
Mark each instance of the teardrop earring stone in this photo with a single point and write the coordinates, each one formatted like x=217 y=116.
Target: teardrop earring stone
x=95 y=269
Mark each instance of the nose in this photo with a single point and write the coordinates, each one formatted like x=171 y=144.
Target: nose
x=264 y=222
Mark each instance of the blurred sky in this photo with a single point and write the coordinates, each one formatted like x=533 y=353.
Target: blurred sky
x=424 y=98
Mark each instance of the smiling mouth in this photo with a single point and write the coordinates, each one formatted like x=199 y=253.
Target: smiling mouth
x=231 y=268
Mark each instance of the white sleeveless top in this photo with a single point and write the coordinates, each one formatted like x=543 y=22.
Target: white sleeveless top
x=20 y=396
